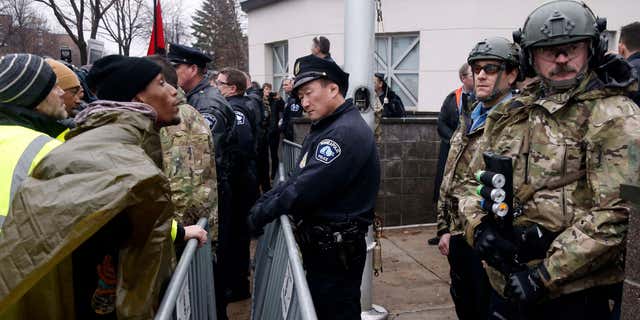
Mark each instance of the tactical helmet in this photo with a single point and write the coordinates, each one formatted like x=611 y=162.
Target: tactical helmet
x=495 y=48
x=560 y=22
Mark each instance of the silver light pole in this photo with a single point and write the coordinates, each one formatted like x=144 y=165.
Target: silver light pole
x=359 y=38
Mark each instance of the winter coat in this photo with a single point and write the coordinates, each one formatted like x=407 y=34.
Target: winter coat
x=108 y=168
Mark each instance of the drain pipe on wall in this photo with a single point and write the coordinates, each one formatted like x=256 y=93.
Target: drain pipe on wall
x=359 y=40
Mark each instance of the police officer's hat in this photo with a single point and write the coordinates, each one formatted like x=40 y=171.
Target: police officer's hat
x=180 y=54
x=309 y=68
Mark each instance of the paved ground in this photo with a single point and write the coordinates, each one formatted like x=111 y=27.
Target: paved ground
x=414 y=284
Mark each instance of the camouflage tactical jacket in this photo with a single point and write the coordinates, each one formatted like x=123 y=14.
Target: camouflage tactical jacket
x=463 y=146
x=592 y=128
x=189 y=163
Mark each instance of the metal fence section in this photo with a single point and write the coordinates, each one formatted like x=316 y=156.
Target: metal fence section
x=191 y=294
x=290 y=155
x=280 y=289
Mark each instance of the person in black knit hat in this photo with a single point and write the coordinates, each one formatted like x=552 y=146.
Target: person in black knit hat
x=134 y=102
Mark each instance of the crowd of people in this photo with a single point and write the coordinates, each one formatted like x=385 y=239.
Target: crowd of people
x=108 y=167
x=114 y=163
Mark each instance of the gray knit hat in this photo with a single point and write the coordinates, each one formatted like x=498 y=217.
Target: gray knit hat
x=25 y=80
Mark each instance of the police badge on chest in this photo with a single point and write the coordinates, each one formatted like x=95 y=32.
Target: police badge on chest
x=327 y=151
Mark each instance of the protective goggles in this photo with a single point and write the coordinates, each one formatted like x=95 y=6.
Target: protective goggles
x=550 y=53
x=489 y=69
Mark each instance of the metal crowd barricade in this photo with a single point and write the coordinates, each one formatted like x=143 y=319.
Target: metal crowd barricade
x=290 y=154
x=191 y=293
x=280 y=289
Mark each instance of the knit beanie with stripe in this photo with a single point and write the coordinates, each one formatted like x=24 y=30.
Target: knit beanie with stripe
x=25 y=80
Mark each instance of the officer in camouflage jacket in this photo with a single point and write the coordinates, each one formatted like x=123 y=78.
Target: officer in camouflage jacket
x=573 y=137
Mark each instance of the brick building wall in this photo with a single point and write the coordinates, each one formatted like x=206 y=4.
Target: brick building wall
x=408 y=160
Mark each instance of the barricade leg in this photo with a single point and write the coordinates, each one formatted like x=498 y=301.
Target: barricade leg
x=370 y=311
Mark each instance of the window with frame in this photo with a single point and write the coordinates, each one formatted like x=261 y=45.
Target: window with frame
x=280 y=63
x=612 y=44
x=398 y=57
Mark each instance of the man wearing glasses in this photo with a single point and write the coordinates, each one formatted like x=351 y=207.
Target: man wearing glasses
x=573 y=136
x=234 y=253
x=494 y=62
x=68 y=81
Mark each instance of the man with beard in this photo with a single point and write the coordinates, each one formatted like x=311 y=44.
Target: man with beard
x=572 y=137
x=30 y=106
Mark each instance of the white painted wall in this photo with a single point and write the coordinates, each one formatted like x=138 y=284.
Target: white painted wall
x=448 y=30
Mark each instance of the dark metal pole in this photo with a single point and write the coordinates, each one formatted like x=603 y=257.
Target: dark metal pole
x=154 y=32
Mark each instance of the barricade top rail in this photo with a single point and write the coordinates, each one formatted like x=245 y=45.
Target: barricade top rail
x=168 y=304
x=291 y=143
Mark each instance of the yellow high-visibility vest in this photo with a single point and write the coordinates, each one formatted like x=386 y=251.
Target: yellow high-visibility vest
x=22 y=149
x=60 y=137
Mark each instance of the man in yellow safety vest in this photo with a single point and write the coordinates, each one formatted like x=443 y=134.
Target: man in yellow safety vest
x=30 y=103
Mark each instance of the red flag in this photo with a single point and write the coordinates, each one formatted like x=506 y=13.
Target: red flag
x=156 y=45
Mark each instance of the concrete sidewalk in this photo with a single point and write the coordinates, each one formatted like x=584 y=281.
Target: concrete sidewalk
x=414 y=284
x=415 y=281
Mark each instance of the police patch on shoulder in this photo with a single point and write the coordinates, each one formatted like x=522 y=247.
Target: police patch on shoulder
x=327 y=151
x=211 y=120
x=239 y=118
x=295 y=107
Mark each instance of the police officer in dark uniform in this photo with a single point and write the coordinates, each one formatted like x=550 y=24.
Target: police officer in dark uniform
x=291 y=110
x=234 y=257
x=255 y=95
x=190 y=65
x=332 y=192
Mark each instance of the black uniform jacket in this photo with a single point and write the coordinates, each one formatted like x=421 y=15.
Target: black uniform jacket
x=244 y=126
x=214 y=108
x=337 y=176
x=634 y=60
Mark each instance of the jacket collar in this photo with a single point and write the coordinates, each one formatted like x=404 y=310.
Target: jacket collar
x=635 y=56
x=35 y=120
x=200 y=86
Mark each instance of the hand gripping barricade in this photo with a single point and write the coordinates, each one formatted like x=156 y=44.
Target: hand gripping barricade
x=280 y=286
x=280 y=289
x=191 y=294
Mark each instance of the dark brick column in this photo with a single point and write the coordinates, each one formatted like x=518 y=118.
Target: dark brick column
x=408 y=159
x=631 y=295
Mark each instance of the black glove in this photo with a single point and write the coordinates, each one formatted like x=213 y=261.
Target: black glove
x=494 y=249
x=533 y=242
x=526 y=286
x=255 y=230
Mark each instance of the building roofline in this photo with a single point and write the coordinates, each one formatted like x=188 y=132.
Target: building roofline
x=248 y=5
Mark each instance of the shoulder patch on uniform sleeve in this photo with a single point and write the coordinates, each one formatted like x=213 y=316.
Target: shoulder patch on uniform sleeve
x=240 y=119
x=295 y=107
x=210 y=119
x=327 y=151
